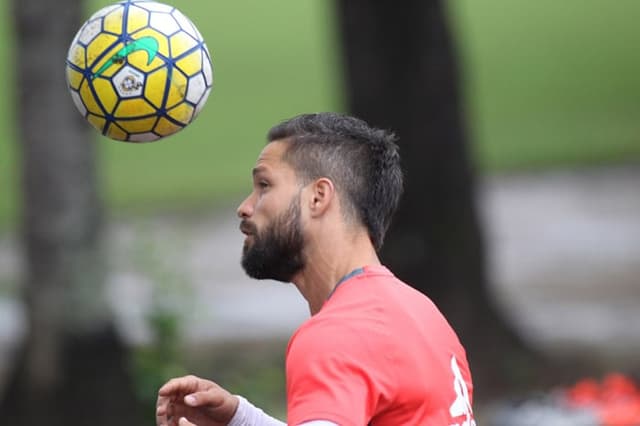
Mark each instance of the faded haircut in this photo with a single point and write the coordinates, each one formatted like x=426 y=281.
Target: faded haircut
x=363 y=163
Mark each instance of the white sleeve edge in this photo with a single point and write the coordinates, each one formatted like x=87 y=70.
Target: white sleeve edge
x=248 y=414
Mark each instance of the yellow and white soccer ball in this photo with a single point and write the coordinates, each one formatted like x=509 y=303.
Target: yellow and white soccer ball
x=139 y=70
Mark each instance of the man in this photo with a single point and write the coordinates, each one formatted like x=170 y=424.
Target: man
x=375 y=351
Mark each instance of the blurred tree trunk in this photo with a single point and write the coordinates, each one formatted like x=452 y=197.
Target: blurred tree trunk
x=401 y=74
x=72 y=369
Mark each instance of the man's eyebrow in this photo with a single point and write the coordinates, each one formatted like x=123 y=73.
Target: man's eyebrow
x=257 y=170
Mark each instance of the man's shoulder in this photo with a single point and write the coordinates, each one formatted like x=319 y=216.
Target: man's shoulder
x=331 y=330
x=325 y=324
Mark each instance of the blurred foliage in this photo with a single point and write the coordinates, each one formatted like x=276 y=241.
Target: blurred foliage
x=153 y=364
x=253 y=369
x=160 y=359
x=263 y=384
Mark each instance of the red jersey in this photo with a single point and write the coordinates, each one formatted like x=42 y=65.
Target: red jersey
x=379 y=352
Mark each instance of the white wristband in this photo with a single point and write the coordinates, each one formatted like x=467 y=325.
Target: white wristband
x=248 y=414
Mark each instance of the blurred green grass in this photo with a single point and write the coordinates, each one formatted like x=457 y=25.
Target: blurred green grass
x=8 y=157
x=547 y=84
x=551 y=83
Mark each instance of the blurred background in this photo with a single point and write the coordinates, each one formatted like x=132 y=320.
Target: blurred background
x=519 y=124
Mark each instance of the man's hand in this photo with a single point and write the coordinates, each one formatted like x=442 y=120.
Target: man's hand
x=192 y=401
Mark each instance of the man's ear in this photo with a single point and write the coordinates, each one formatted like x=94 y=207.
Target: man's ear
x=322 y=196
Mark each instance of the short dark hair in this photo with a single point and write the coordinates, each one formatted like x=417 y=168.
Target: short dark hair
x=363 y=163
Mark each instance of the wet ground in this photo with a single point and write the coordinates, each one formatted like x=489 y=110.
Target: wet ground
x=565 y=258
x=564 y=252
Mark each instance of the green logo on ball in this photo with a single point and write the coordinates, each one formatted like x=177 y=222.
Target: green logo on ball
x=148 y=44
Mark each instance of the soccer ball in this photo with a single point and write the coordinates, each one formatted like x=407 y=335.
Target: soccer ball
x=139 y=70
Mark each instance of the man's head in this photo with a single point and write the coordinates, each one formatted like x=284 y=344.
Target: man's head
x=361 y=163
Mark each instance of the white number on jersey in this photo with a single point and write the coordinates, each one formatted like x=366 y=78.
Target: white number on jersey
x=461 y=407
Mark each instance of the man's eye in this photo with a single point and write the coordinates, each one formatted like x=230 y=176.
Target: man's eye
x=263 y=184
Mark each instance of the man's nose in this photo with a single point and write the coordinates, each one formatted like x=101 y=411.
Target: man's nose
x=245 y=209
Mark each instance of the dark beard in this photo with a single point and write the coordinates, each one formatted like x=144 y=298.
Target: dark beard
x=276 y=253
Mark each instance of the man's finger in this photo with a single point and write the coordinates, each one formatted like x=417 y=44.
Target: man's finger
x=212 y=398
x=161 y=405
x=183 y=385
x=161 y=411
x=184 y=422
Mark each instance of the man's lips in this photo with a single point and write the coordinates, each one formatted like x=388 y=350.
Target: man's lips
x=247 y=228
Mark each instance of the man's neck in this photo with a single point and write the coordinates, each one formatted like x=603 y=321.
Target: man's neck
x=325 y=267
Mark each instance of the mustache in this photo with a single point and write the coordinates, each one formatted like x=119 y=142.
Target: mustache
x=247 y=227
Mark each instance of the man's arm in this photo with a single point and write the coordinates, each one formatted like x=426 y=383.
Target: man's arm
x=192 y=401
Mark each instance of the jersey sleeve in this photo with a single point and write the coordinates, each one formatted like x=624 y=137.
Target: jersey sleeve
x=331 y=375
